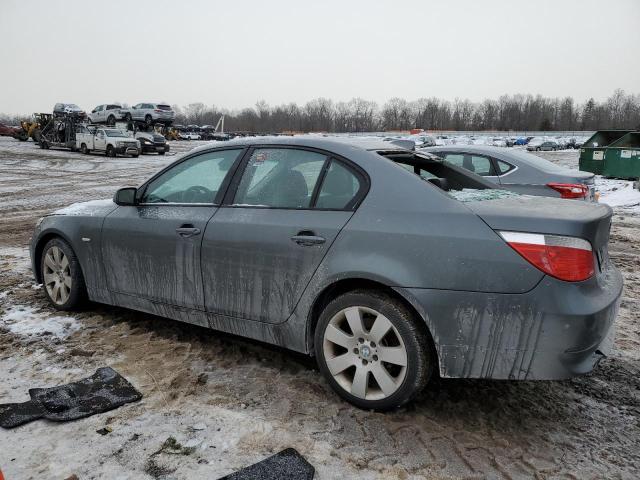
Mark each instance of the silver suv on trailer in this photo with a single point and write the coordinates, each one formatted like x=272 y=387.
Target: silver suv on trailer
x=108 y=113
x=150 y=113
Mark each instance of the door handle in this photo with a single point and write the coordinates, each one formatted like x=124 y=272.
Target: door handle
x=308 y=239
x=186 y=231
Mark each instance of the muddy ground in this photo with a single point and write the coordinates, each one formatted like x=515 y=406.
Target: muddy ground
x=232 y=402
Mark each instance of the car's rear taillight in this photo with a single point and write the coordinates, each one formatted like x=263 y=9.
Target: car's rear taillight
x=566 y=258
x=570 y=190
x=158 y=111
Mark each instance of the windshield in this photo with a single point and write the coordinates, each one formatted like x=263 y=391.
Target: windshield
x=114 y=133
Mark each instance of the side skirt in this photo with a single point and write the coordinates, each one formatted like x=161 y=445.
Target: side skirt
x=284 y=334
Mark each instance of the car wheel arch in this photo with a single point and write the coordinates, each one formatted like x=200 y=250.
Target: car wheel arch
x=342 y=286
x=39 y=248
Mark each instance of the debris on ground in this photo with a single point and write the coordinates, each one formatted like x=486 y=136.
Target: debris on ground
x=285 y=465
x=104 y=390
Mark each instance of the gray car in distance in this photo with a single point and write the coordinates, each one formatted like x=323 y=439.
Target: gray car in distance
x=387 y=265
x=520 y=171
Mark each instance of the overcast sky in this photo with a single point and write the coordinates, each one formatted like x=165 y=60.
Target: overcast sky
x=232 y=54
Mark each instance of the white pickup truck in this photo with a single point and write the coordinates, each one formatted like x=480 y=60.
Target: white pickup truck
x=111 y=141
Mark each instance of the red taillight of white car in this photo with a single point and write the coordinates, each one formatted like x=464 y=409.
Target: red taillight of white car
x=570 y=190
x=566 y=258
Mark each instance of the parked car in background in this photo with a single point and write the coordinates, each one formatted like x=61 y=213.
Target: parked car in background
x=151 y=113
x=520 y=171
x=108 y=113
x=190 y=132
x=61 y=109
x=542 y=145
x=521 y=141
x=111 y=141
x=152 y=142
x=422 y=140
x=387 y=265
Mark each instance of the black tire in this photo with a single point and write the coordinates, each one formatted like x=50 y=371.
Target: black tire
x=44 y=145
x=78 y=291
x=136 y=155
x=148 y=120
x=538 y=149
x=417 y=341
x=84 y=149
x=127 y=117
x=161 y=153
x=110 y=151
x=111 y=120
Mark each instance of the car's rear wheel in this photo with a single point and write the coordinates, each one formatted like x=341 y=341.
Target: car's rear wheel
x=110 y=152
x=111 y=120
x=61 y=275
x=147 y=119
x=84 y=149
x=372 y=350
x=127 y=117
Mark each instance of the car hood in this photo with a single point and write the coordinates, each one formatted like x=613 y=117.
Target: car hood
x=93 y=208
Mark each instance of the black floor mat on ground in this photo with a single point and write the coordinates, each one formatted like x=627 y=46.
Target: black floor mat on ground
x=104 y=390
x=285 y=465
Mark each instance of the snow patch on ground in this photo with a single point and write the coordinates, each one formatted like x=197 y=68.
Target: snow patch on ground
x=25 y=320
x=618 y=193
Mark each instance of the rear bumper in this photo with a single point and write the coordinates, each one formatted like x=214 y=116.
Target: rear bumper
x=557 y=330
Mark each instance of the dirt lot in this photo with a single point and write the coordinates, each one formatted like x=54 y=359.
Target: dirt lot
x=237 y=402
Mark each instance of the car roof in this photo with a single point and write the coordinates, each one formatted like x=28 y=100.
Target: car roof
x=336 y=144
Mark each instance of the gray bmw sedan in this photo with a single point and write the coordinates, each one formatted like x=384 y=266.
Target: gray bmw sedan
x=387 y=265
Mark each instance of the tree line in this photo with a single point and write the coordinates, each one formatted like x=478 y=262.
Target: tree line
x=508 y=112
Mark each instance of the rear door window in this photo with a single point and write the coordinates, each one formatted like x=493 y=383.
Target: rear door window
x=280 y=178
x=478 y=164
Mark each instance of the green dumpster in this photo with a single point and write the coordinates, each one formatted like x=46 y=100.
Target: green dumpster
x=622 y=158
x=592 y=152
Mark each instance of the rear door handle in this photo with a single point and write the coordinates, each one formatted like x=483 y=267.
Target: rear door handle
x=308 y=239
x=186 y=231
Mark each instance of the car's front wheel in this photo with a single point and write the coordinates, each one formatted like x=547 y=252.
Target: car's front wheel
x=61 y=275
x=372 y=350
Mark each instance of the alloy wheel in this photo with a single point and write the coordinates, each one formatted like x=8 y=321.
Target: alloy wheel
x=365 y=353
x=57 y=275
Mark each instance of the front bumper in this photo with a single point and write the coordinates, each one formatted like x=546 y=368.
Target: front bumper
x=557 y=330
x=127 y=150
x=155 y=147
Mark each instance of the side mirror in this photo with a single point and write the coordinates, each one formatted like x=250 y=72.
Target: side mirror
x=125 y=196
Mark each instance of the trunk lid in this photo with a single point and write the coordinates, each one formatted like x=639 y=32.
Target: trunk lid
x=573 y=218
